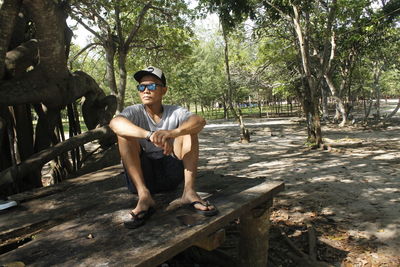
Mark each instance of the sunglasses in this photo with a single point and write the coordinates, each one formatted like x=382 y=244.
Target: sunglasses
x=150 y=87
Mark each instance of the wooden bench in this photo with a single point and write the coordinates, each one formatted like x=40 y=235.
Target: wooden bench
x=82 y=224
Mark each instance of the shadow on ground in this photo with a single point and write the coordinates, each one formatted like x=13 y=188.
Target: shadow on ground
x=350 y=194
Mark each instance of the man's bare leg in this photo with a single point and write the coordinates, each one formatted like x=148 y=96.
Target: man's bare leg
x=129 y=150
x=186 y=148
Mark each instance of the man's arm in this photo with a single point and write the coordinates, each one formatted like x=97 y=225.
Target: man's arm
x=125 y=128
x=193 y=125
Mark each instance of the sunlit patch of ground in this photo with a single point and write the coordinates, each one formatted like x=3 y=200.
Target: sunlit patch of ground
x=350 y=194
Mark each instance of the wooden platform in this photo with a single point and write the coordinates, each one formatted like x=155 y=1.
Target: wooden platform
x=80 y=222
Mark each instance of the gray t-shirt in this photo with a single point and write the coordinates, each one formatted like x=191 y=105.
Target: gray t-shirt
x=172 y=118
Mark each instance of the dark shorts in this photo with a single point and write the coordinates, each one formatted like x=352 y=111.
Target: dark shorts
x=160 y=175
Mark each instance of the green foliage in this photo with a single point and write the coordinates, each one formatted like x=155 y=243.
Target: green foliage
x=90 y=61
x=390 y=83
x=135 y=33
x=200 y=78
x=230 y=12
x=264 y=57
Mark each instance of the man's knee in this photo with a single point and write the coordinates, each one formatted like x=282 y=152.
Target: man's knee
x=128 y=146
x=186 y=144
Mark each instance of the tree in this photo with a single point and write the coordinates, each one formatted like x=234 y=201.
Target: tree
x=277 y=71
x=122 y=26
x=298 y=15
x=34 y=50
x=304 y=23
x=360 y=32
x=231 y=14
x=199 y=79
x=331 y=37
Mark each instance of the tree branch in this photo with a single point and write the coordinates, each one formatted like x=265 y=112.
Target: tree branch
x=20 y=58
x=327 y=36
x=332 y=56
x=285 y=16
x=118 y=22
x=87 y=27
x=83 y=50
x=136 y=27
x=101 y=22
x=148 y=47
x=37 y=160
x=303 y=44
x=162 y=11
x=30 y=88
x=142 y=44
x=262 y=68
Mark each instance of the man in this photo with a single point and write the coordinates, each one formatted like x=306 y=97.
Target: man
x=159 y=147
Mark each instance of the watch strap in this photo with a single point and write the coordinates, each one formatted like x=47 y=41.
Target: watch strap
x=149 y=134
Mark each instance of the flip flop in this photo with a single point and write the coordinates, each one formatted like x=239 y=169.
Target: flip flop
x=207 y=213
x=139 y=219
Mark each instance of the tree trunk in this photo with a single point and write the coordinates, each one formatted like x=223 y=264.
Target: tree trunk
x=8 y=15
x=325 y=112
x=245 y=138
x=75 y=155
x=122 y=80
x=225 y=107
x=367 y=110
x=49 y=86
x=24 y=130
x=50 y=25
x=17 y=61
x=339 y=102
x=311 y=99
x=110 y=69
x=377 y=74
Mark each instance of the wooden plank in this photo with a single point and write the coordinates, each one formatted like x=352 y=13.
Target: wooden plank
x=212 y=241
x=48 y=209
x=67 y=184
x=97 y=236
x=254 y=231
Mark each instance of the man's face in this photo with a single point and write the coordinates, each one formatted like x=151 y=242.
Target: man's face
x=150 y=97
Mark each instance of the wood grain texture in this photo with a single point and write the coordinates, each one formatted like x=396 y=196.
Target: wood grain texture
x=88 y=229
x=212 y=241
x=254 y=230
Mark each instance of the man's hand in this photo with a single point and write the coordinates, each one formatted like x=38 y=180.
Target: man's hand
x=160 y=137
x=164 y=139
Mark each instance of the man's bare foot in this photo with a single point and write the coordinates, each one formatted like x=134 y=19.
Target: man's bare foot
x=190 y=196
x=144 y=203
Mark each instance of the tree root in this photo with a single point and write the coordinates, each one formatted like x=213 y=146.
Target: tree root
x=37 y=160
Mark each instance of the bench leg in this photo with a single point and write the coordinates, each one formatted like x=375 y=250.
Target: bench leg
x=254 y=234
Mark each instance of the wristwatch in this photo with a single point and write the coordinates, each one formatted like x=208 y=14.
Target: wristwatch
x=149 y=135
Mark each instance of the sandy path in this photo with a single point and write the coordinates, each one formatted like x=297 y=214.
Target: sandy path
x=355 y=186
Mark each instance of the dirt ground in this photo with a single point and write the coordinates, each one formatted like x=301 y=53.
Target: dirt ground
x=349 y=195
